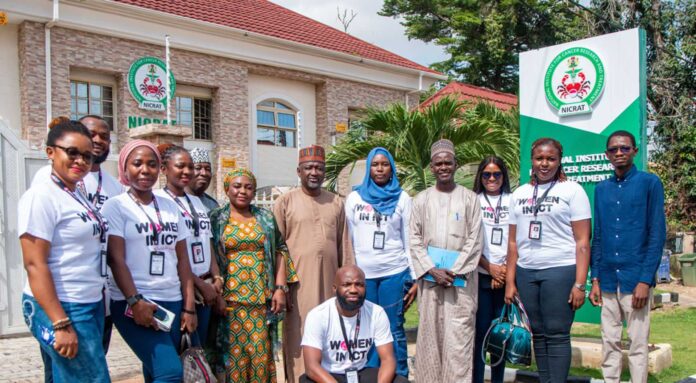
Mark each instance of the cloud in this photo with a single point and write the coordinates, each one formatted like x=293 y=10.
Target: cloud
x=384 y=32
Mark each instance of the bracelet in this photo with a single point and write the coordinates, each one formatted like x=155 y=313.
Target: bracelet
x=61 y=321
x=61 y=324
x=191 y=312
x=219 y=278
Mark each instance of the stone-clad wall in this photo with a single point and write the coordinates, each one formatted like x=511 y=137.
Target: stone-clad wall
x=227 y=79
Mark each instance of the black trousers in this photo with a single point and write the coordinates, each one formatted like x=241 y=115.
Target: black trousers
x=366 y=375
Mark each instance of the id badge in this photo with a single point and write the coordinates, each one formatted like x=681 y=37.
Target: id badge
x=378 y=240
x=352 y=376
x=156 y=263
x=497 y=236
x=102 y=260
x=197 y=252
x=535 y=230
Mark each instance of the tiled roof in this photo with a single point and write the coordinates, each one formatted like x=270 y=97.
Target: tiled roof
x=466 y=92
x=266 y=18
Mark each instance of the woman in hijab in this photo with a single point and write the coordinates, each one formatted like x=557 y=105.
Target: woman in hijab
x=256 y=269
x=378 y=213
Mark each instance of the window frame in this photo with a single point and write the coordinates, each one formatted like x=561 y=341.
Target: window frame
x=194 y=122
x=276 y=127
x=76 y=115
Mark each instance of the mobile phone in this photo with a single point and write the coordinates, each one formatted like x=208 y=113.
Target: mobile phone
x=160 y=314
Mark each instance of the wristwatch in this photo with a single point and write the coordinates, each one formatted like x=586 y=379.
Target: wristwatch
x=580 y=286
x=133 y=299
x=282 y=287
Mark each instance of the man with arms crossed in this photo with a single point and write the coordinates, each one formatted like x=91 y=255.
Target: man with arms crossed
x=339 y=333
x=629 y=234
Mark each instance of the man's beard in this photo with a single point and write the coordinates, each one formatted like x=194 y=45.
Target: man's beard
x=349 y=306
x=100 y=159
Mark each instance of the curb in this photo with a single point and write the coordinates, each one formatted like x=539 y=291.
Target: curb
x=666 y=298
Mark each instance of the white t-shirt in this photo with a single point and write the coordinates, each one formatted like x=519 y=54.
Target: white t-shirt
x=362 y=223
x=110 y=187
x=48 y=212
x=323 y=331
x=565 y=203
x=495 y=235
x=128 y=221
x=200 y=244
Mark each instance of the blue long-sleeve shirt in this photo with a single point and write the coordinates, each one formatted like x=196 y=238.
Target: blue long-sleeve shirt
x=629 y=231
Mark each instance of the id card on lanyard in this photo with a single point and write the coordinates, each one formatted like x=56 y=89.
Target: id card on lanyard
x=496 y=232
x=535 y=228
x=379 y=236
x=155 y=227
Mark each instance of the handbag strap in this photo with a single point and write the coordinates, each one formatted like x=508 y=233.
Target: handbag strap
x=521 y=314
x=185 y=342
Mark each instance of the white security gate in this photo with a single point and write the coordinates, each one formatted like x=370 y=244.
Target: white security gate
x=17 y=164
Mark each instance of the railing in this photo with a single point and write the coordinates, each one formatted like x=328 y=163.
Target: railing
x=265 y=200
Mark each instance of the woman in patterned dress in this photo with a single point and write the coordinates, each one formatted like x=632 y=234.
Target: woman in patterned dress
x=256 y=267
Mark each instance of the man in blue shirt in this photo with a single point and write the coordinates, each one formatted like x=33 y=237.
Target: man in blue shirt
x=629 y=234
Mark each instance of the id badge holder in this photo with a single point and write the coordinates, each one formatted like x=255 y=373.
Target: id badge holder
x=102 y=259
x=156 y=263
x=535 y=230
x=197 y=252
x=352 y=376
x=378 y=240
x=497 y=236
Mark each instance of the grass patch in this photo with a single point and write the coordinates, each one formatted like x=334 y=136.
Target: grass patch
x=673 y=326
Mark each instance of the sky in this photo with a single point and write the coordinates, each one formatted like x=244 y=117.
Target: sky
x=384 y=32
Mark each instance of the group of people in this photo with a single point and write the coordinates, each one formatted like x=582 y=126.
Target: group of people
x=339 y=274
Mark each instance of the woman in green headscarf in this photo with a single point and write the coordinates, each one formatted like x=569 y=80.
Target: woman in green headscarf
x=256 y=268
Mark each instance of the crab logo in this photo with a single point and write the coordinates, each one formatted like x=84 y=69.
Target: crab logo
x=147 y=83
x=574 y=81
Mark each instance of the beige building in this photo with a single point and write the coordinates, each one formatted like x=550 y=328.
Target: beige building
x=254 y=82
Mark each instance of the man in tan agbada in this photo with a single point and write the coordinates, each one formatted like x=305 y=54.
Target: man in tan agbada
x=445 y=219
x=313 y=223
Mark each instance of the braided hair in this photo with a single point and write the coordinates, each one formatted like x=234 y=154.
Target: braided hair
x=166 y=151
x=560 y=175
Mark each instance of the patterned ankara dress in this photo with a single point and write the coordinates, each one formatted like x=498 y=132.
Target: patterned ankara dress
x=248 y=333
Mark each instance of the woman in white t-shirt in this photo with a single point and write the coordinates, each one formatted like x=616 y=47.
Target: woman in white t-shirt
x=177 y=167
x=149 y=260
x=378 y=214
x=492 y=184
x=548 y=256
x=61 y=234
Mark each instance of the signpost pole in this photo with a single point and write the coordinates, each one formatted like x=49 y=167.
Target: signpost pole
x=169 y=96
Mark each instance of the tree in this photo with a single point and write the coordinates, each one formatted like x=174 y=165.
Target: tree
x=477 y=131
x=484 y=38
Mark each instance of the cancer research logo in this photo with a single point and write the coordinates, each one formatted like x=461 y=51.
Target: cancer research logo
x=147 y=83
x=574 y=81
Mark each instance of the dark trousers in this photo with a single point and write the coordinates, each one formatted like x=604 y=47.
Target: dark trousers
x=544 y=294
x=490 y=304
x=366 y=375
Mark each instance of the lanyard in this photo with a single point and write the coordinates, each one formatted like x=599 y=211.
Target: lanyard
x=378 y=218
x=345 y=336
x=537 y=204
x=496 y=211
x=193 y=214
x=95 y=198
x=155 y=227
x=93 y=213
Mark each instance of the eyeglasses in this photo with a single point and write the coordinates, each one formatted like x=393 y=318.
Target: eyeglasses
x=73 y=153
x=487 y=175
x=625 y=149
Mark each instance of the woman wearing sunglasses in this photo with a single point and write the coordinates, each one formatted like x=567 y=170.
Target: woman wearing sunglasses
x=492 y=185
x=63 y=240
x=149 y=260
x=548 y=256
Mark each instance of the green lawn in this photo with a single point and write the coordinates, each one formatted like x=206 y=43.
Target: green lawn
x=673 y=326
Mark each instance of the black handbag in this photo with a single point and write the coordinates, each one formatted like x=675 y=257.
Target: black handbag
x=509 y=338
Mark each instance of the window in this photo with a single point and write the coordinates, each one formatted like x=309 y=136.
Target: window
x=196 y=113
x=276 y=124
x=90 y=98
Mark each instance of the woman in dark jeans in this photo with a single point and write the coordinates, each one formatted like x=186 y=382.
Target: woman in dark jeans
x=548 y=256
x=493 y=188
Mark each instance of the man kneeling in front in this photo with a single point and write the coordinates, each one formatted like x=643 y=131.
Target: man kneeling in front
x=339 y=333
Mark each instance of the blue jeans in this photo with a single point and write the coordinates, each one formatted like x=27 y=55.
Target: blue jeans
x=203 y=314
x=389 y=293
x=544 y=294
x=490 y=305
x=157 y=350
x=89 y=365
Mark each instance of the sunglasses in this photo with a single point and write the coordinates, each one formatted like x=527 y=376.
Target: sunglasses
x=73 y=153
x=487 y=175
x=625 y=149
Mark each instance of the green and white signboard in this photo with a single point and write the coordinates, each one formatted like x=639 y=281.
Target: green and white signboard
x=579 y=93
x=147 y=82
